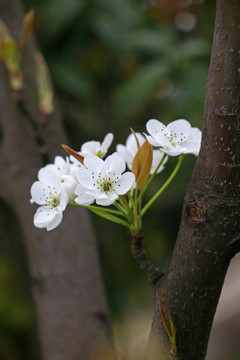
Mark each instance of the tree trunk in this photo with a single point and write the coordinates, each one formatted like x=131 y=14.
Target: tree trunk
x=63 y=264
x=209 y=232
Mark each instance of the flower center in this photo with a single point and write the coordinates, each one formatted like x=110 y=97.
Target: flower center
x=105 y=184
x=171 y=138
x=55 y=201
x=100 y=154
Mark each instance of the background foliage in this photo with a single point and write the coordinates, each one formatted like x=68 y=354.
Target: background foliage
x=114 y=65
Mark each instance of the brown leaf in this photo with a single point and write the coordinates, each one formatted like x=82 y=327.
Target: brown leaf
x=142 y=163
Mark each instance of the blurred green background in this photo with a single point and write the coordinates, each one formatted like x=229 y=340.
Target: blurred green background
x=114 y=64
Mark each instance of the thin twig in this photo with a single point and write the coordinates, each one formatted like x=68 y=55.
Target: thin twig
x=153 y=273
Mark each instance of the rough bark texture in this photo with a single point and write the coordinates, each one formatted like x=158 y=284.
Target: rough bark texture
x=209 y=232
x=63 y=264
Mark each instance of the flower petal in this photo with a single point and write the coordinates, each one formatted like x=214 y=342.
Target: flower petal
x=125 y=183
x=115 y=163
x=108 y=201
x=82 y=196
x=107 y=141
x=47 y=217
x=131 y=142
x=94 y=163
x=50 y=178
x=154 y=127
x=125 y=153
x=90 y=148
x=39 y=193
x=87 y=179
x=181 y=128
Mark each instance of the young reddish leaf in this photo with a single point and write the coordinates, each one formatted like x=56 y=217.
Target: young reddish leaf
x=171 y=330
x=142 y=163
x=26 y=28
x=164 y=319
x=45 y=93
x=72 y=152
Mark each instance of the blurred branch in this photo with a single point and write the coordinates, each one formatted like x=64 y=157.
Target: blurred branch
x=64 y=266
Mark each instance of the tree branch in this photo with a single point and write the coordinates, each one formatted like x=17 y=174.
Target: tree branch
x=153 y=273
x=209 y=232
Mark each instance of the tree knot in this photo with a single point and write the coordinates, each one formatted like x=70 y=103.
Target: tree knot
x=196 y=211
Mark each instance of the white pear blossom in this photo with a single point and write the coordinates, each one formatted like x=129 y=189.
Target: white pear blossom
x=103 y=180
x=66 y=173
x=49 y=193
x=60 y=166
x=129 y=150
x=176 y=138
x=95 y=147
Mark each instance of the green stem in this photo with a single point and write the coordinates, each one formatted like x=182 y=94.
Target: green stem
x=123 y=211
x=165 y=185
x=153 y=174
x=130 y=195
x=105 y=213
x=97 y=208
x=111 y=218
x=125 y=204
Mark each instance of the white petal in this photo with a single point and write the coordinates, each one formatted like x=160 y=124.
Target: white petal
x=63 y=167
x=173 y=151
x=154 y=126
x=181 y=128
x=191 y=147
x=157 y=157
x=108 y=201
x=125 y=183
x=49 y=177
x=153 y=141
x=93 y=163
x=107 y=141
x=69 y=184
x=39 y=193
x=55 y=222
x=126 y=154
x=47 y=217
x=115 y=163
x=131 y=142
x=85 y=178
x=90 y=148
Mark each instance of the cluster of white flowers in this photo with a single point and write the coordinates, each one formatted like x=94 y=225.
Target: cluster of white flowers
x=103 y=181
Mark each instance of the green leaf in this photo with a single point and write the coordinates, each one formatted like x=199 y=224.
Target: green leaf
x=151 y=42
x=58 y=14
x=71 y=78
x=138 y=88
